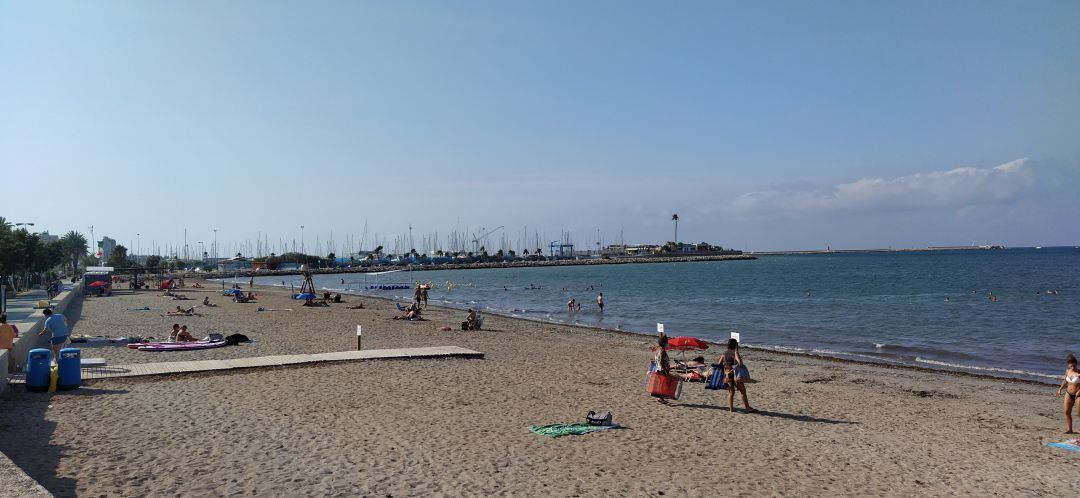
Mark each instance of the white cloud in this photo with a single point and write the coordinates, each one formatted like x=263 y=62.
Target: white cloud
x=956 y=188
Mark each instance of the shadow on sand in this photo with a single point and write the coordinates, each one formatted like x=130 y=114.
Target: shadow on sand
x=767 y=413
x=25 y=435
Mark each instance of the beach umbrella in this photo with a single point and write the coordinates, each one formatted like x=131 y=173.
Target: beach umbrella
x=687 y=344
x=233 y=291
x=98 y=283
x=306 y=295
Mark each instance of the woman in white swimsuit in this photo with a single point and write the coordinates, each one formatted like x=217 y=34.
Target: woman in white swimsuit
x=1071 y=385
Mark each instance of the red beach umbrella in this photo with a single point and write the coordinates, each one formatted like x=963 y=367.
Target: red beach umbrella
x=687 y=344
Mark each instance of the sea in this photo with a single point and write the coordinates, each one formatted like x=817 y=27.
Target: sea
x=1008 y=312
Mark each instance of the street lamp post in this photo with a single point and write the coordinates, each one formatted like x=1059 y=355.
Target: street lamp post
x=215 y=244
x=138 y=246
x=302 y=239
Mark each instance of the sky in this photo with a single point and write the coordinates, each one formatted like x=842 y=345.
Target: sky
x=764 y=125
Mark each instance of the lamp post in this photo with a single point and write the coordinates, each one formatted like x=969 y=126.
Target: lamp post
x=301 y=239
x=138 y=246
x=215 y=244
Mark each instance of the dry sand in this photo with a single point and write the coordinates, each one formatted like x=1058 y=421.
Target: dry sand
x=459 y=427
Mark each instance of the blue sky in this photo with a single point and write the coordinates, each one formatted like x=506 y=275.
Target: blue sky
x=765 y=125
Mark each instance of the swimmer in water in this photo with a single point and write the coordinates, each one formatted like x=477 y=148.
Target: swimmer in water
x=570 y=305
x=946 y=299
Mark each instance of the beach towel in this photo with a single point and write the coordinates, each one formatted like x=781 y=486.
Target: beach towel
x=559 y=430
x=1069 y=444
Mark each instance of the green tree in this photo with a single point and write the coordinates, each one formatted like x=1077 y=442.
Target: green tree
x=74 y=247
x=118 y=257
x=153 y=261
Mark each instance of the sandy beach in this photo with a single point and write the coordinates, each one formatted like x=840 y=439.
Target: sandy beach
x=459 y=426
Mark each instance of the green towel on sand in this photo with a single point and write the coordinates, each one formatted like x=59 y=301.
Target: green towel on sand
x=556 y=430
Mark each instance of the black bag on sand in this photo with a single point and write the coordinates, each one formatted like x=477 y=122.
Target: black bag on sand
x=464 y=325
x=236 y=339
x=594 y=418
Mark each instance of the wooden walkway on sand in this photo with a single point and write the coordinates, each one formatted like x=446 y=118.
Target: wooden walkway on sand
x=175 y=367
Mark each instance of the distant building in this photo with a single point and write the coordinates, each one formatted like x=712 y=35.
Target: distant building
x=45 y=237
x=233 y=264
x=105 y=247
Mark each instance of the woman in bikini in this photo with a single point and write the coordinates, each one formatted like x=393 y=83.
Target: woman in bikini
x=1071 y=385
x=730 y=360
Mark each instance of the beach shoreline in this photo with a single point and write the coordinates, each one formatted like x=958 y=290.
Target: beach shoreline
x=459 y=427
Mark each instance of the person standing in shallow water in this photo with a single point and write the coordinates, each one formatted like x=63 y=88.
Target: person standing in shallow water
x=600 y=301
x=1071 y=385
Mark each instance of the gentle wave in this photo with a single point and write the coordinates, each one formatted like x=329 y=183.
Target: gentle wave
x=986 y=369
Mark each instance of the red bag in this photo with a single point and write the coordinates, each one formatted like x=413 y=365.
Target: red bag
x=664 y=386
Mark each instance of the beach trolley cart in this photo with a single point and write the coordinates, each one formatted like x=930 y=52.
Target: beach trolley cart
x=664 y=386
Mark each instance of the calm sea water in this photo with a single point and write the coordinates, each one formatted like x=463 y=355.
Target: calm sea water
x=887 y=307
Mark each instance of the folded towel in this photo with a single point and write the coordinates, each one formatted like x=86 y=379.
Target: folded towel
x=558 y=430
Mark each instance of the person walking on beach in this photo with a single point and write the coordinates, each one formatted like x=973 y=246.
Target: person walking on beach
x=424 y=293
x=600 y=301
x=1071 y=385
x=56 y=325
x=735 y=375
x=418 y=295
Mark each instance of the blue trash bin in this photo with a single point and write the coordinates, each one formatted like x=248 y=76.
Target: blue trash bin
x=38 y=364
x=69 y=366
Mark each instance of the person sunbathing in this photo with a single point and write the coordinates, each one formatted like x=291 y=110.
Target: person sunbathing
x=180 y=297
x=197 y=286
x=695 y=370
x=182 y=312
x=314 y=303
x=175 y=332
x=206 y=302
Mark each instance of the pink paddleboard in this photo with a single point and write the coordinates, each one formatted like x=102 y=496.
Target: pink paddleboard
x=181 y=346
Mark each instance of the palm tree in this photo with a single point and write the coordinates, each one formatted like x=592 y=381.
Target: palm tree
x=74 y=246
x=675 y=218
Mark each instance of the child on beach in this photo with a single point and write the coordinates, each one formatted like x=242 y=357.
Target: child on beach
x=1071 y=385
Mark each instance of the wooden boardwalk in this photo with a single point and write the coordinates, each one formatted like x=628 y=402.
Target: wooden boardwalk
x=175 y=367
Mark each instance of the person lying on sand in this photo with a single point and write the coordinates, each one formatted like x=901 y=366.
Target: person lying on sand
x=314 y=303
x=197 y=286
x=180 y=297
x=357 y=307
x=694 y=370
x=182 y=312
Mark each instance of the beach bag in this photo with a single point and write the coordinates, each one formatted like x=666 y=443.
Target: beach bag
x=236 y=339
x=664 y=386
x=464 y=325
x=715 y=381
x=593 y=418
x=742 y=373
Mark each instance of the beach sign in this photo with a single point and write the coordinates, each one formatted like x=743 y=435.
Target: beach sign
x=659 y=328
x=735 y=335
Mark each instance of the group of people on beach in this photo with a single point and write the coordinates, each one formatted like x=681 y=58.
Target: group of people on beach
x=573 y=305
x=180 y=334
x=730 y=365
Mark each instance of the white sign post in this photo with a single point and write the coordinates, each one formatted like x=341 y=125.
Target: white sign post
x=735 y=335
x=659 y=328
x=359 y=332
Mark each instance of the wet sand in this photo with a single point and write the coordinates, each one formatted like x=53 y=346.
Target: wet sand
x=459 y=427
